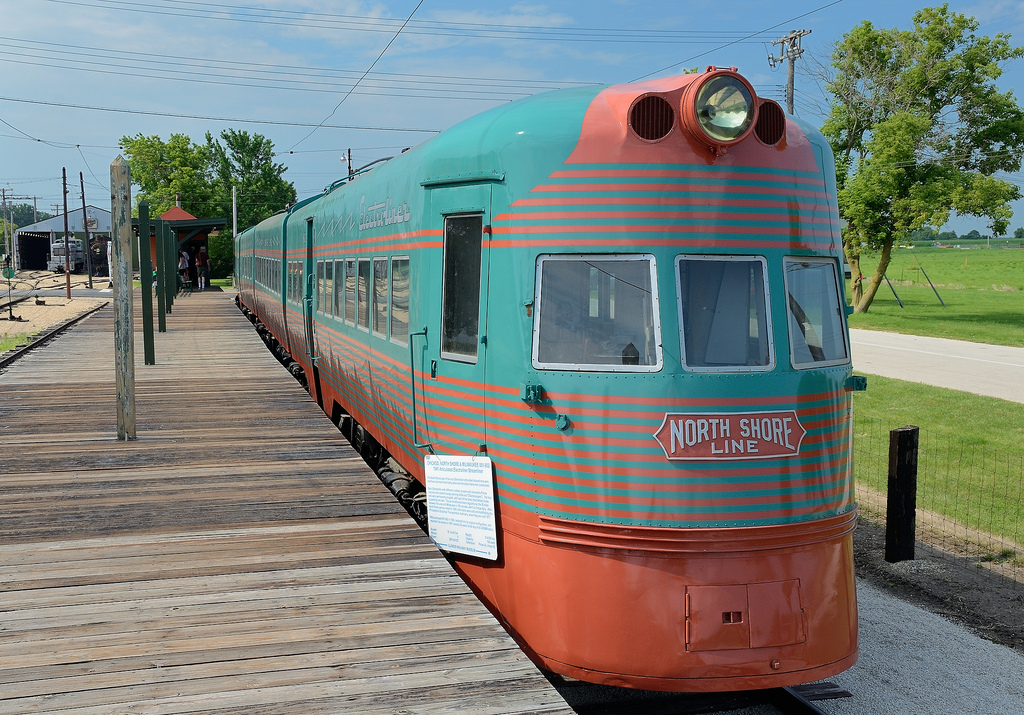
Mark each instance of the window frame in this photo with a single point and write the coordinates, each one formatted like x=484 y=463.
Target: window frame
x=391 y=298
x=769 y=326
x=363 y=310
x=378 y=311
x=474 y=358
x=840 y=296
x=351 y=271
x=588 y=367
x=338 y=290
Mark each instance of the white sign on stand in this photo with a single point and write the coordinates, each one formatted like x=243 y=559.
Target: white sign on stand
x=460 y=504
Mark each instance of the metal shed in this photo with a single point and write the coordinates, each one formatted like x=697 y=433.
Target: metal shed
x=32 y=242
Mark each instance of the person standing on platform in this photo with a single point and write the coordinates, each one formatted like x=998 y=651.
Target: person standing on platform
x=183 y=266
x=203 y=269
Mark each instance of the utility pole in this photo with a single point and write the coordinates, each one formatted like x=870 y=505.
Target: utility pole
x=790 y=50
x=7 y=243
x=67 y=246
x=85 y=227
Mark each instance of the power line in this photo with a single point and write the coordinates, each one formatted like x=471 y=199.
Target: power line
x=746 y=37
x=482 y=30
x=175 y=115
x=240 y=75
x=349 y=93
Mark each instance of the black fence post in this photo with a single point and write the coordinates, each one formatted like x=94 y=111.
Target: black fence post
x=901 y=508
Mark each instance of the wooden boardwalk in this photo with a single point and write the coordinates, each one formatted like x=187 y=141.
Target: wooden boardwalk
x=237 y=557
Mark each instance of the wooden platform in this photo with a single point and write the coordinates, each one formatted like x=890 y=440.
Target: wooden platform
x=237 y=557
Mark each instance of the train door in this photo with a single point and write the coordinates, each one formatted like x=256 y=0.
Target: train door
x=310 y=289
x=455 y=393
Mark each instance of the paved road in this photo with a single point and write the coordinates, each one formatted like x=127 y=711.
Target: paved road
x=992 y=370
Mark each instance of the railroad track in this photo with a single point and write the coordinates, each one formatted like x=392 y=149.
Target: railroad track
x=791 y=701
x=43 y=337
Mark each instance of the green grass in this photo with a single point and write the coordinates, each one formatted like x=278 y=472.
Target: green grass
x=970 y=466
x=983 y=291
x=9 y=342
x=221 y=282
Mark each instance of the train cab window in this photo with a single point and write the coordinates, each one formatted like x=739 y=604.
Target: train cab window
x=363 y=287
x=400 y=300
x=725 y=324
x=460 y=313
x=350 y=291
x=379 y=317
x=816 y=335
x=597 y=313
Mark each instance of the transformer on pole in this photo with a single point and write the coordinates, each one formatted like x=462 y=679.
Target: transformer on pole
x=790 y=50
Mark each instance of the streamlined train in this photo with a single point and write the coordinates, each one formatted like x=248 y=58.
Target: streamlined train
x=605 y=328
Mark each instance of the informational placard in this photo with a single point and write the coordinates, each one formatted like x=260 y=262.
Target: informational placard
x=460 y=505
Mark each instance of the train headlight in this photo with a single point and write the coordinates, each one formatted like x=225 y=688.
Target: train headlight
x=719 y=109
x=725 y=108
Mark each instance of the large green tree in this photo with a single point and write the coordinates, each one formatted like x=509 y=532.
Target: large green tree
x=918 y=128
x=247 y=162
x=164 y=171
x=202 y=176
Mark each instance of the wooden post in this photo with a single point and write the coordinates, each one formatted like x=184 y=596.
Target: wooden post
x=901 y=509
x=121 y=277
x=161 y=278
x=146 y=276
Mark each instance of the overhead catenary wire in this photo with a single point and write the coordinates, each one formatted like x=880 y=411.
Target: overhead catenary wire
x=181 y=115
x=730 y=44
x=368 y=69
x=363 y=23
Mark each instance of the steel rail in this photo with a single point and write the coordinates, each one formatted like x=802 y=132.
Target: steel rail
x=790 y=702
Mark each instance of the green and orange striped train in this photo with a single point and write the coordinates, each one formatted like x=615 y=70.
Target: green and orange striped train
x=618 y=312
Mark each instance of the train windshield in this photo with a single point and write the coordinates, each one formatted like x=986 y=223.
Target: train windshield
x=597 y=313
x=725 y=324
x=816 y=335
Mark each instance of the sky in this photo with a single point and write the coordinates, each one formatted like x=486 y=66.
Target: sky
x=320 y=77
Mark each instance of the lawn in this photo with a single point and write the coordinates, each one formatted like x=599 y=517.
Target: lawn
x=983 y=291
x=970 y=465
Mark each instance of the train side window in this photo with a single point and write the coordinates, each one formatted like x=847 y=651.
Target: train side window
x=320 y=286
x=379 y=318
x=350 y=291
x=460 y=313
x=816 y=335
x=597 y=313
x=363 y=287
x=725 y=323
x=400 y=300
x=337 y=290
x=328 y=288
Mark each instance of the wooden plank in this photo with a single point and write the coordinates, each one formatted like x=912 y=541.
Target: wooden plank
x=236 y=556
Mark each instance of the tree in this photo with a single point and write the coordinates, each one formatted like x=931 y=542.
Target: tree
x=203 y=174
x=26 y=215
x=919 y=128
x=1019 y=233
x=164 y=171
x=247 y=162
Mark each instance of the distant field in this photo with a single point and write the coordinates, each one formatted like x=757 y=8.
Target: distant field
x=983 y=290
